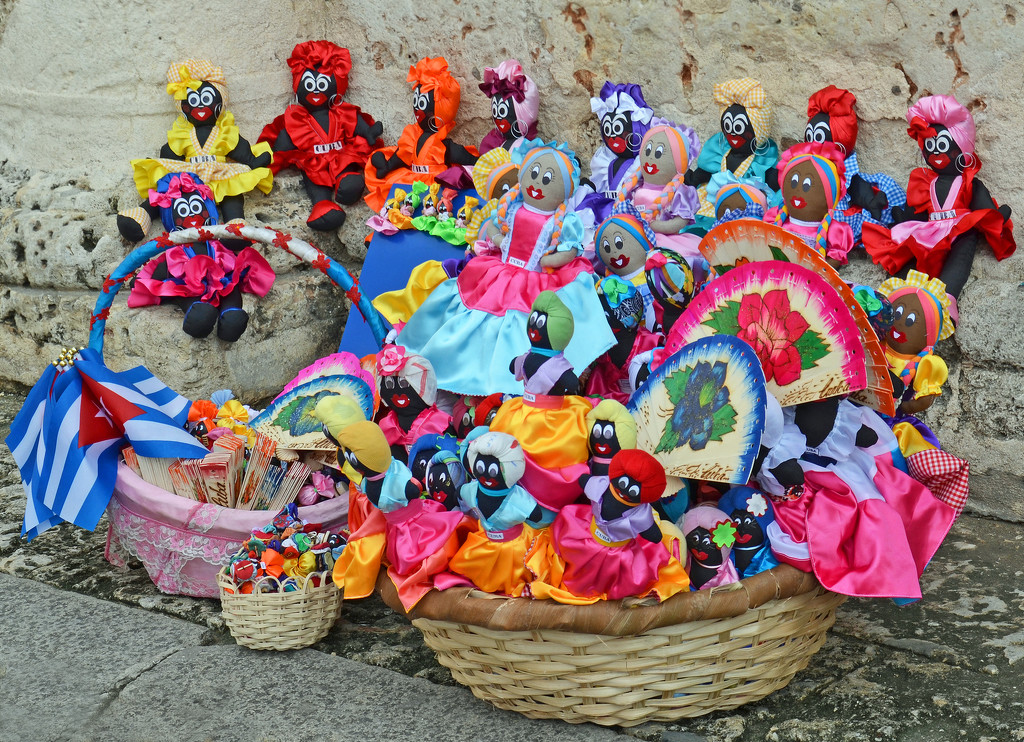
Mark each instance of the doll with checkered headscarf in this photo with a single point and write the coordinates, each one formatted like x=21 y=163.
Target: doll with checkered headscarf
x=203 y=140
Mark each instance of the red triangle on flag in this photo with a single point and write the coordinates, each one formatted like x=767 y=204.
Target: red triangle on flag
x=104 y=413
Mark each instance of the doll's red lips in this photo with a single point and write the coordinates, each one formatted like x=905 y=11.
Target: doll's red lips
x=193 y=221
x=200 y=113
x=897 y=336
x=400 y=400
x=602 y=448
x=533 y=333
x=503 y=126
x=735 y=141
x=316 y=98
x=617 y=145
x=619 y=261
x=488 y=482
x=742 y=538
x=938 y=161
x=799 y=203
x=699 y=555
x=534 y=193
x=420 y=115
x=650 y=168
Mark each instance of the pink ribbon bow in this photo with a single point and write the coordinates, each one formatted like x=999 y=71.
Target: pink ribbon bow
x=183 y=183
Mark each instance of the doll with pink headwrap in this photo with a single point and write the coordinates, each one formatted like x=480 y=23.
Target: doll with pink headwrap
x=710 y=535
x=515 y=102
x=408 y=389
x=813 y=181
x=657 y=188
x=949 y=210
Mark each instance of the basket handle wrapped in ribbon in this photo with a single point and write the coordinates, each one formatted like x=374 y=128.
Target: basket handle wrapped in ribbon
x=298 y=248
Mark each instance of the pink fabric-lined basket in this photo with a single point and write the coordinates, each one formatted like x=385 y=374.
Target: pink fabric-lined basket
x=184 y=543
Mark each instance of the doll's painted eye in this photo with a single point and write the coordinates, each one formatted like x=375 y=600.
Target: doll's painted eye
x=206 y=97
x=739 y=125
x=402 y=383
x=648 y=149
x=542 y=321
x=818 y=133
x=633 y=493
x=420 y=101
x=929 y=145
x=480 y=468
x=606 y=246
x=499 y=108
x=794 y=182
x=898 y=314
x=548 y=177
x=493 y=470
x=533 y=318
x=942 y=142
x=389 y=382
x=535 y=172
x=659 y=151
x=181 y=208
x=322 y=83
x=195 y=204
x=618 y=243
x=911 y=319
x=308 y=81
x=727 y=123
x=806 y=185
x=608 y=431
x=622 y=483
x=193 y=99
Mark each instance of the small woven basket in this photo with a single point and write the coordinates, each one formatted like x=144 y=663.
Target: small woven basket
x=280 y=620
x=628 y=662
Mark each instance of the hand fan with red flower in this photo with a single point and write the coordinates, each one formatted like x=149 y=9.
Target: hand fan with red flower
x=798 y=325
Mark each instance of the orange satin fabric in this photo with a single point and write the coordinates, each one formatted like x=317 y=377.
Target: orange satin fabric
x=553 y=438
x=356 y=570
x=910 y=439
x=495 y=566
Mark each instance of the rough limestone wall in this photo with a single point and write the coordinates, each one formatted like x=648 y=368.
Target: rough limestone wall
x=82 y=93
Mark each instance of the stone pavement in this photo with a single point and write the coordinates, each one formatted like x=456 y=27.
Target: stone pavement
x=91 y=653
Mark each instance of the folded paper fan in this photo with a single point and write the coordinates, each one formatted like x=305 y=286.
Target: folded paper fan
x=744 y=241
x=336 y=364
x=701 y=413
x=290 y=422
x=801 y=330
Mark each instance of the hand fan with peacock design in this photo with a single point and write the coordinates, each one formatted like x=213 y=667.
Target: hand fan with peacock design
x=290 y=422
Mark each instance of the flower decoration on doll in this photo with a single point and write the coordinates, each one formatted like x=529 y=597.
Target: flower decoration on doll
x=515 y=101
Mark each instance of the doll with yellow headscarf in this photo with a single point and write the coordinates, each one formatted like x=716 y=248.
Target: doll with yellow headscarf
x=203 y=140
x=743 y=146
x=424 y=149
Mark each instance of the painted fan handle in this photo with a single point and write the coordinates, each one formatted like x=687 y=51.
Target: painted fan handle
x=301 y=250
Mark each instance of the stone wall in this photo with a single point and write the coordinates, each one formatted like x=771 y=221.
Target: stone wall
x=82 y=93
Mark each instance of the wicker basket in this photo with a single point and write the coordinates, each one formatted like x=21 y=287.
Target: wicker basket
x=628 y=662
x=280 y=620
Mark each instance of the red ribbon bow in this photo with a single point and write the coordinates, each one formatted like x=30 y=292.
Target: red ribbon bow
x=920 y=130
x=498 y=86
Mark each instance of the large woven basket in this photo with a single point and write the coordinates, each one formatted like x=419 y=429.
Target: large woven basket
x=277 y=619
x=628 y=662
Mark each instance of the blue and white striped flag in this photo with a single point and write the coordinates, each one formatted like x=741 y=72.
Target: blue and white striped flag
x=67 y=437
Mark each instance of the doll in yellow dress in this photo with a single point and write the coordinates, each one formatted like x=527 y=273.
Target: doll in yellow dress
x=203 y=140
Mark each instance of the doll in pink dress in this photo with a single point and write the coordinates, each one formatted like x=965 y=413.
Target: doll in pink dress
x=408 y=389
x=710 y=535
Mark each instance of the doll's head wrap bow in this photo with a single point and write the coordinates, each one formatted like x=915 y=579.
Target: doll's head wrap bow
x=324 y=57
x=431 y=74
x=748 y=93
x=945 y=110
x=176 y=185
x=190 y=74
x=505 y=449
x=837 y=104
x=508 y=80
x=393 y=360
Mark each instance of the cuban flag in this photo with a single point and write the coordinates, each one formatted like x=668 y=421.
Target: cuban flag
x=67 y=437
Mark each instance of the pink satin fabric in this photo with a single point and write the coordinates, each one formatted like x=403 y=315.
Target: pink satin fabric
x=492 y=286
x=606 y=376
x=421 y=538
x=202 y=276
x=431 y=420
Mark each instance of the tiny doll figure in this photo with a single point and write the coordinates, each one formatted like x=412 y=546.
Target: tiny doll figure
x=451 y=227
x=737 y=198
x=515 y=101
x=624 y=118
x=612 y=429
x=949 y=210
x=203 y=140
x=710 y=535
x=624 y=310
x=869 y=197
x=751 y=512
x=445 y=477
x=813 y=182
x=428 y=209
x=493 y=557
x=402 y=217
x=486 y=409
x=424 y=149
x=612 y=547
x=327 y=139
x=743 y=147
x=408 y=389
x=205 y=279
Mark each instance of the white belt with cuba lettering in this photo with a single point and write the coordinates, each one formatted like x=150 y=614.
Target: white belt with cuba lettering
x=322 y=149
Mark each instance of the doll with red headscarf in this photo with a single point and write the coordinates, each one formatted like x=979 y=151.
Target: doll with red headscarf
x=869 y=197
x=424 y=149
x=328 y=140
x=813 y=181
x=515 y=101
x=949 y=210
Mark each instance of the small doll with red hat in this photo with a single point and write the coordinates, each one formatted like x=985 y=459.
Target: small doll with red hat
x=624 y=310
x=493 y=556
x=424 y=149
x=813 y=180
x=869 y=197
x=408 y=390
x=613 y=546
x=949 y=210
x=327 y=139
x=710 y=535
x=204 y=140
x=206 y=278
x=743 y=147
x=515 y=102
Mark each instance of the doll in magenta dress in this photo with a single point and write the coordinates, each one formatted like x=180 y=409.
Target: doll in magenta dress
x=327 y=139
x=949 y=210
x=813 y=181
x=515 y=102
x=408 y=390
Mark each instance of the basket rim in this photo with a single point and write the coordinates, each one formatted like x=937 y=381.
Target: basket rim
x=629 y=617
x=226 y=582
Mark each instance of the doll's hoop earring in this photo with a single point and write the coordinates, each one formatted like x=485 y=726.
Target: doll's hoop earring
x=841 y=149
x=761 y=146
x=633 y=140
x=515 y=129
x=435 y=123
x=333 y=100
x=961 y=166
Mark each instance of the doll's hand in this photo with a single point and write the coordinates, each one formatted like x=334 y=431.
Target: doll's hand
x=263 y=160
x=588 y=182
x=379 y=161
x=1005 y=211
x=668 y=226
x=834 y=263
x=558 y=259
x=920 y=404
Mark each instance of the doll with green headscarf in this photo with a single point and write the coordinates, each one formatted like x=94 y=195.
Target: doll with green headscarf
x=544 y=369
